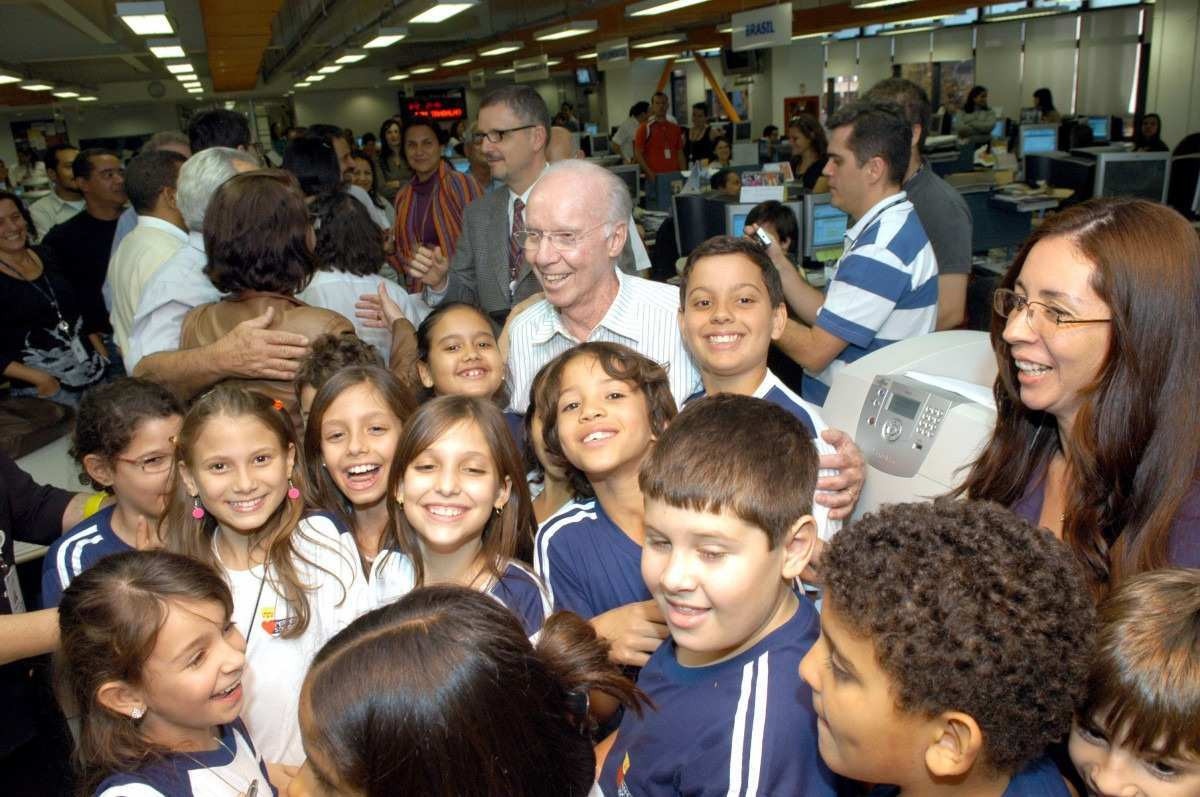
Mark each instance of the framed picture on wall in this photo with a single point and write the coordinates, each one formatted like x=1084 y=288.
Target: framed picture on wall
x=794 y=106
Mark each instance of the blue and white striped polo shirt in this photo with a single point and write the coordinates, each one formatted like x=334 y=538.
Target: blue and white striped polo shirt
x=884 y=289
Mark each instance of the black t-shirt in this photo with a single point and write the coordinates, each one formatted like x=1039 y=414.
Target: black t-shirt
x=81 y=246
x=813 y=173
x=32 y=513
x=698 y=150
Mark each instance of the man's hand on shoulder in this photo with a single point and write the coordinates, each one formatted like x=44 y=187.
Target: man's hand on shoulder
x=253 y=350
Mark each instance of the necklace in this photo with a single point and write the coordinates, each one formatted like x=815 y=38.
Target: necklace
x=51 y=298
x=252 y=785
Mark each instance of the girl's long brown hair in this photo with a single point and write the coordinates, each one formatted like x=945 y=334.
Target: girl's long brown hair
x=109 y=620
x=1134 y=447
x=182 y=533
x=509 y=534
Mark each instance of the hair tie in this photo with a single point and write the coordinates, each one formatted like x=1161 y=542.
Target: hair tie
x=277 y=404
x=579 y=703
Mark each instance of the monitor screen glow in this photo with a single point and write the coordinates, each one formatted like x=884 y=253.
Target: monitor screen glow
x=828 y=226
x=1038 y=140
x=1100 y=127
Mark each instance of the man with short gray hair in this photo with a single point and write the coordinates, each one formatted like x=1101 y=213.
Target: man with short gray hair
x=250 y=350
x=577 y=224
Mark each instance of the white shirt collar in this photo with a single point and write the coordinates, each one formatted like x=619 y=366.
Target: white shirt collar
x=620 y=318
x=161 y=224
x=512 y=197
x=874 y=213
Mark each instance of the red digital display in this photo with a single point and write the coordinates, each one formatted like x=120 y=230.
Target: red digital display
x=438 y=108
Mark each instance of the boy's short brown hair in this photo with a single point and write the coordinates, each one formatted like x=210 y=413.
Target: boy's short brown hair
x=735 y=453
x=330 y=354
x=732 y=245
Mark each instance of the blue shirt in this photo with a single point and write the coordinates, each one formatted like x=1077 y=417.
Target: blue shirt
x=743 y=726
x=884 y=289
x=235 y=764
x=1039 y=779
x=587 y=562
x=85 y=544
x=522 y=594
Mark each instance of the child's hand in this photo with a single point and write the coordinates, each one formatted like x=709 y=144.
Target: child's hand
x=281 y=775
x=634 y=630
x=840 y=492
x=377 y=310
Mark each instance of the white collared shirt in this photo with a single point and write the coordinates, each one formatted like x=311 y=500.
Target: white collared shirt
x=177 y=286
x=140 y=254
x=643 y=316
x=51 y=211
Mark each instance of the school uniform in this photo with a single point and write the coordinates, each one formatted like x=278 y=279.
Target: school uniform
x=522 y=593
x=85 y=544
x=586 y=562
x=772 y=389
x=744 y=726
x=275 y=666
x=227 y=771
x=1038 y=779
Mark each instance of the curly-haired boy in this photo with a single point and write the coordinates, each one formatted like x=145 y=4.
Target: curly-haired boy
x=953 y=650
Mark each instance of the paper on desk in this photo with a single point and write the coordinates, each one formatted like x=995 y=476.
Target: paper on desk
x=980 y=394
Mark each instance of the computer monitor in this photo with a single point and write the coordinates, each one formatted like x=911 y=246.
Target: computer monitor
x=824 y=225
x=1030 y=116
x=633 y=179
x=1101 y=128
x=736 y=213
x=743 y=131
x=591 y=128
x=1133 y=174
x=599 y=145
x=999 y=130
x=1036 y=139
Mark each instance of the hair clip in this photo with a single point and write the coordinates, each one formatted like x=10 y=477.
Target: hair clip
x=277 y=404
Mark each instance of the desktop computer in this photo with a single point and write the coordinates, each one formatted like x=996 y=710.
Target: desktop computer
x=1036 y=139
x=1133 y=174
x=632 y=175
x=1101 y=127
x=735 y=220
x=823 y=227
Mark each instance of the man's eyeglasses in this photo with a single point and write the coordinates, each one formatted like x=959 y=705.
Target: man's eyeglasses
x=496 y=136
x=1041 y=317
x=560 y=241
x=151 y=463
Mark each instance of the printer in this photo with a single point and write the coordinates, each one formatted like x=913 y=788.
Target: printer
x=921 y=410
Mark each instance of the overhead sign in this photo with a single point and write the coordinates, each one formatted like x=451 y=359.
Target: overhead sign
x=770 y=26
x=527 y=70
x=614 y=52
x=439 y=105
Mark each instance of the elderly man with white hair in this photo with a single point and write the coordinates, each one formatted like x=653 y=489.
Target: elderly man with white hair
x=250 y=349
x=576 y=224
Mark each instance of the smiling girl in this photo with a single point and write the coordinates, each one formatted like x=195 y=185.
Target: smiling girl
x=153 y=660
x=293 y=576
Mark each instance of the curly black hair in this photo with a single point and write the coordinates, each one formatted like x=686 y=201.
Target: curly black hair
x=109 y=416
x=970 y=609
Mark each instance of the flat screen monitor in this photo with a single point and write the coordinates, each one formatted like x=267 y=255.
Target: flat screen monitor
x=1101 y=128
x=737 y=212
x=599 y=145
x=998 y=129
x=632 y=178
x=1133 y=174
x=591 y=128
x=742 y=131
x=824 y=225
x=1036 y=139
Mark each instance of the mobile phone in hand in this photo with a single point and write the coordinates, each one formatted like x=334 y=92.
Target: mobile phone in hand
x=763 y=237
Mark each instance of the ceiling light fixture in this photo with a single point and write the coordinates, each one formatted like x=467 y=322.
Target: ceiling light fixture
x=508 y=70
x=181 y=68
x=195 y=91
x=386 y=37
x=88 y=98
x=166 y=48
x=66 y=94
x=649 y=8
x=726 y=29
x=585 y=56
x=329 y=70
x=662 y=57
x=146 y=19
x=315 y=78
x=500 y=48
x=185 y=77
x=554 y=62
x=351 y=57
x=193 y=85
x=9 y=77
x=877 y=3
x=303 y=84
x=37 y=85
x=423 y=70
x=458 y=60
x=441 y=10
x=566 y=30
x=399 y=76
x=659 y=42
x=810 y=35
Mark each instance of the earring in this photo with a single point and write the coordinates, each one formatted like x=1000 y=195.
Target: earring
x=498 y=511
x=197 y=510
x=293 y=491
x=137 y=713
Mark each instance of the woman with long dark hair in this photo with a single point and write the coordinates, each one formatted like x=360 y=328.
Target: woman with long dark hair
x=809 y=147
x=394 y=170
x=1097 y=338
x=975 y=122
x=1043 y=101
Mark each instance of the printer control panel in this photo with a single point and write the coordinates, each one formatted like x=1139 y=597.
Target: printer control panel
x=899 y=422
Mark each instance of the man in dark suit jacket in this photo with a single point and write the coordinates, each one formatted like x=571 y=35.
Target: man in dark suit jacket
x=487 y=269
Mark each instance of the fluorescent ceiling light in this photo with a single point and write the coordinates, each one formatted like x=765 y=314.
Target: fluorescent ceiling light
x=9 y=77
x=315 y=78
x=146 y=19
x=193 y=85
x=810 y=35
x=37 y=85
x=88 y=98
x=1028 y=15
x=303 y=84
x=725 y=29
x=195 y=91
x=442 y=10
x=458 y=60
x=662 y=57
x=899 y=31
x=508 y=70
x=386 y=37
x=554 y=62
x=329 y=70
x=500 y=48
x=351 y=57
x=648 y=8
x=566 y=30
x=423 y=70
x=66 y=94
x=166 y=48
x=399 y=76
x=659 y=42
x=876 y=3
x=184 y=78
x=711 y=52
x=181 y=68
x=585 y=56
